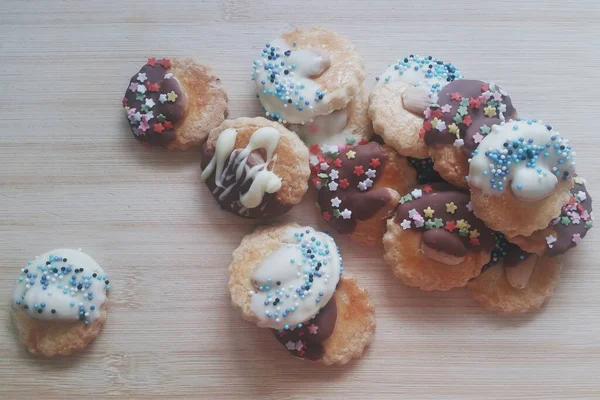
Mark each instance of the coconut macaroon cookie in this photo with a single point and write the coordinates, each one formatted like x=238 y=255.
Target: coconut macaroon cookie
x=174 y=103
x=514 y=281
x=435 y=242
x=59 y=303
x=359 y=187
x=520 y=177
x=306 y=73
x=565 y=231
x=464 y=113
x=401 y=96
x=288 y=278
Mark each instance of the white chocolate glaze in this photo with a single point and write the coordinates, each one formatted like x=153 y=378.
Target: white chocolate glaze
x=285 y=84
x=296 y=280
x=263 y=180
x=50 y=288
x=527 y=155
x=328 y=130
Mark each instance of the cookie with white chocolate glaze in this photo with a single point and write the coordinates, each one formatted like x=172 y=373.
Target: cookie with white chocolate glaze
x=401 y=96
x=515 y=282
x=435 y=242
x=520 y=177
x=565 y=231
x=255 y=168
x=464 y=113
x=174 y=103
x=59 y=303
x=359 y=187
x=306 y=73
x=288 y=278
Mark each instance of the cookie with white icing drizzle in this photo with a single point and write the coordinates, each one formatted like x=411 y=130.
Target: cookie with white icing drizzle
x=306 y=73
x=289 y=279
x=174 y=103
x=255 y=168
x=401 y=96
x=59 y=302
x=520 y=176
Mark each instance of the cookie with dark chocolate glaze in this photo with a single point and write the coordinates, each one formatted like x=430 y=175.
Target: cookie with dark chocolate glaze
x=174 y=103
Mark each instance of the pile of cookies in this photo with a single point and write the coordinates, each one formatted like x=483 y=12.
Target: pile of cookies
x=438 y=169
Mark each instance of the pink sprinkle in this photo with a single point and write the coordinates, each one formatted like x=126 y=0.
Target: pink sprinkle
x=427 y=112
x=576 y=238
x=133 y=87
x=478 y=137
x=497 y=96
x=144 y=125
x=446 y=108
x=312 y=329
x=585 y=215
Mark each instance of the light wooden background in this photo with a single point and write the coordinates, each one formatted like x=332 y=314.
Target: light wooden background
x=72 y=175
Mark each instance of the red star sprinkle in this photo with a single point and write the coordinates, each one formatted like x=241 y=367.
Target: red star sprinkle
x=363 y=141
x=316 y=180
x=326 y=216
x=437 y=113
x=158 y=128
x=467 y=120
x=359 y=170
x=167 y=124
x=124 y=102
x=456 y=96
x=450 y=226
x=375 y=162
x=165 y=62
x=153 y=87
x=485 y=87
x=572 y=201
x=152 y=62
x=337 y=163
x=474 y=103
x=427 y=125
x=344 y=183
x=427 y=188
x=314 y=149
x=474 y=241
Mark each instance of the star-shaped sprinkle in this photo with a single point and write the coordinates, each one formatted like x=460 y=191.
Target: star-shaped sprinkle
x=158 y=128
x=152 y=61
x=463 y=232
x=335 y=202
x=362 y=186
x=428 y=212
x=412 y=213
x=405 y=198
x=429 y=224
x=161 y=117
x=315 y=149
x=140 y=96
x=133 y=86
x=455 y=96
x=489 y=111
x=446 y=108
x=565 y=220
x=485 y=129
x=462 y=110
x=579 y=180
x=167 y=124
x=137 y=116
x=419 y=223
x=474 y=102
x=333 y=186
x=290 y=345
x=172 y=96
x=458 y=118
x=334 y=174
x=478 y=137
x=368 y=182
x=141 y=77
x=324 y=166
x=427 y=188
x=141 y=89
x=469 y=206
x=451 y=207
x=337 y=163
x=450 y=226
x=474 y=241
x=162 y=98
x=405 y=224
x=344 y=183
x=453 y=129
x=149 y=115
x=165 y=62
x=144 y=126
x=550 y=240
x=581 y=196
x=350 y=154
x=438 y=223
x=371 y=173
x=153 y=87
x=346 y=214
x=375 y=162
x=467 y=120
x=485 y=87
x=417 y=193
x=150 y=103
x=299 y=345
x=459 y=143
x=359 y=170
x=326 y=216
x=588 y=224
x=462 y=224
x=497 y=96
x=312 y=329
x=474 y=233
x=441 y=125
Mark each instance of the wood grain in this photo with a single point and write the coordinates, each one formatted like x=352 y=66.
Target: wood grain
x=71 y=175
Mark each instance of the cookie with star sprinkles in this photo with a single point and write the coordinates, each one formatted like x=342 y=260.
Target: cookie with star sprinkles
x=464 y=113
x=401 y=96
x=288 y=278
x=174 y=103
x=520 y=177
x=515 y=282
x=435 y=242
x=306 y=73
x=359 y=187
x=565 y=231
x=59 y=302
x=255 y=168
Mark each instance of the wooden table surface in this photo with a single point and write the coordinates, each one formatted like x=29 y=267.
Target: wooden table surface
x=71 y=175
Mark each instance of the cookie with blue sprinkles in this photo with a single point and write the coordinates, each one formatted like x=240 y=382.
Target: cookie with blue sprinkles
x=59 y=302
x=288 y=279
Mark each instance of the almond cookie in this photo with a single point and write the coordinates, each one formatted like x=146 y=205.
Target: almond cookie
x=255 y=168
x=288 y=278
x=435 y=242
x=464 y=113
x=174 y=103
x=565 y=231
x=520 y=176
x=400 y=98
x=306 y=73
x=359 y=187
x=59 y=303
x=515 y=282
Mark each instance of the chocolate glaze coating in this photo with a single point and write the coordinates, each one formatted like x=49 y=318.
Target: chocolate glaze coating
x=564 y=233
x=173 y=111
x=438 y=197
x=268 y=208
x=362 y=203
x=469 y=89
x=505 y=252
x=425 y=171
x=312 y=344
